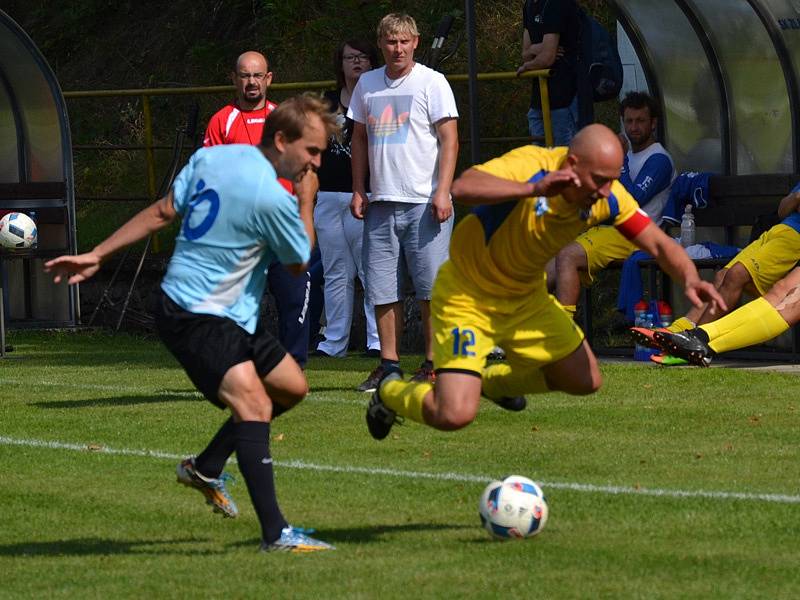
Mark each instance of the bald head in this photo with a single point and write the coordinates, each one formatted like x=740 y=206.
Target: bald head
x=251 y=78
x=598 y=144
x=252 y=59
x=595 y=154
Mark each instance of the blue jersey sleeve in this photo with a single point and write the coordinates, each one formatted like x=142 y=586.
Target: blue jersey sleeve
x=278 y=223
x=181 y=186
x=653 y=178
x=796 y=188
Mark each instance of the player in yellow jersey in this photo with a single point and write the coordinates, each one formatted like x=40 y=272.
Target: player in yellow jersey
x=529 y=204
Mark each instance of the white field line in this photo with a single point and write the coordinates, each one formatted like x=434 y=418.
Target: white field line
x=465 y=477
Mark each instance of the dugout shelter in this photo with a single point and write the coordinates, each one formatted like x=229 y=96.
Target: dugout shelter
x=726 y=73
x=35 y=177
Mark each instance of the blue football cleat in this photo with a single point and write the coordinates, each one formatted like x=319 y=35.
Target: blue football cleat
x=295 y=541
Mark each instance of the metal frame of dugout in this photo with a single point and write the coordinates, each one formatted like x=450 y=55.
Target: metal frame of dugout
x=35 y=176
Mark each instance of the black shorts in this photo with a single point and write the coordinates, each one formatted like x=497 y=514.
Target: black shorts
x=207 y=346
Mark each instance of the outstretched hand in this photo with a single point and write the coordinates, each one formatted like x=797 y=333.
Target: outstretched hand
x=78 y=268
x=700 y=292
x=555 y=182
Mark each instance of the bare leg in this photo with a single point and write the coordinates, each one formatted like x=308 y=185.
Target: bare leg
x=389 y=318
x=570 y=260
x=577 y=373
x=733 y=282
x=454 y=402
x=427 y=327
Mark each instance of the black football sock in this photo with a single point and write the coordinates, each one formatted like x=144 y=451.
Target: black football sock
x=255 y=463
x=211 y=461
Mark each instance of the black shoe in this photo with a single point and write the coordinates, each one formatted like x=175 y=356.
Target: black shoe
x=372 y=353
x=424 y=374
x=380 y=418
x=321 y=354
x=512 y=403
x=370 y=384
x=686 y=344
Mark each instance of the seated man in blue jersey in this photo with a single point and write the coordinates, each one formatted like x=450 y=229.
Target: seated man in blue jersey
x=647 y=174
x=529 y=203
x=236 y=220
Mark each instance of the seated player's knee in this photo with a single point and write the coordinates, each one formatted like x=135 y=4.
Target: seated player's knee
x=737 y=277
x=572 y=256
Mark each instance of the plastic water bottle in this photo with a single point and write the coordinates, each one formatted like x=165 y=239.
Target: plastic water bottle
x=664 y=313
x=640 y=312
x=687 y=227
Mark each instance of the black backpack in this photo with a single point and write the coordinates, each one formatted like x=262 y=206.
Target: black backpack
x=600 y=59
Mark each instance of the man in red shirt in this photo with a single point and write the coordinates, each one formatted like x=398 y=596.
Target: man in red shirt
x=242 y=122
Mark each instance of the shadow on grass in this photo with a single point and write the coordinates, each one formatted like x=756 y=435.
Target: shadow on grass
x=368 y=534
x=158 y=398
x=100 y=546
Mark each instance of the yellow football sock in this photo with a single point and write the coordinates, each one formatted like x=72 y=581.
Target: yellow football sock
x=571 y=309
x=406 y=398
x=501 y=380
x=753 y=323
x=681 y=324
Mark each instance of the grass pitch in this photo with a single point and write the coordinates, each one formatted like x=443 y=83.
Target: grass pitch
x=667 y=483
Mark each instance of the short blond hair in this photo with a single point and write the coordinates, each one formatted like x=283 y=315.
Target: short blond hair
x=397 y=23
x=291 y=116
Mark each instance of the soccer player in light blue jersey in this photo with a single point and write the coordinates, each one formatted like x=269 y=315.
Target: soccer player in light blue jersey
x=236 y=220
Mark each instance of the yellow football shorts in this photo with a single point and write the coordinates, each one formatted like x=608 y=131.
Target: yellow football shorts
x=533 y=332
x=770 y=257
x=602 y=244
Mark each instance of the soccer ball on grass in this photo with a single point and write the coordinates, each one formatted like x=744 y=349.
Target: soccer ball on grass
x=513 y=508
x=17 y=231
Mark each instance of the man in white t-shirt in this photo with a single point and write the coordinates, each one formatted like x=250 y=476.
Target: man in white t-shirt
x=406 y=136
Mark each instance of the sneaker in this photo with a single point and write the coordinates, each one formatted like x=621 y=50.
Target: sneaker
x=644 y=336
x=497 y=353
x=667 y=360
x=370 y=384
x=380 y=418
x=372 y=353
x=293 y=539
x=213 y=489
x=424 y=374
x=686 y=344
x=512 y=403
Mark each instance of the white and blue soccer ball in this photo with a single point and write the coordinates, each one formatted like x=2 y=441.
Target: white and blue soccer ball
x=513 y=508
x=17 y=231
